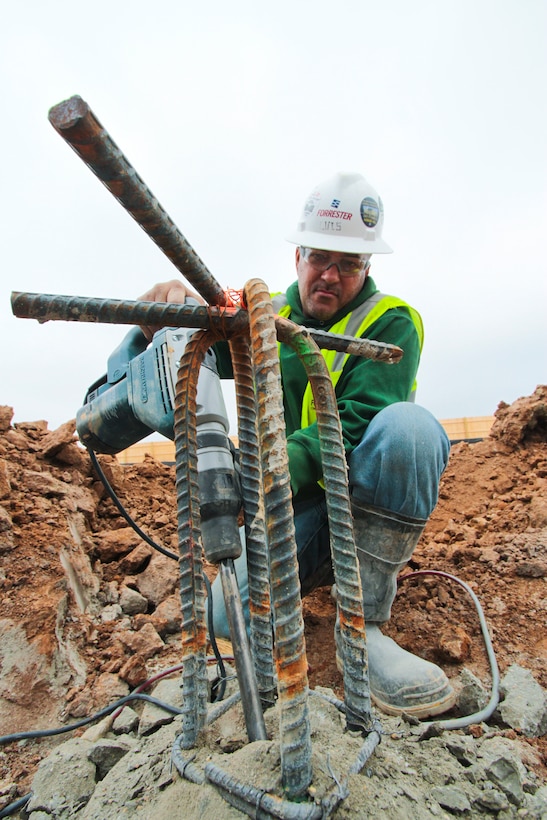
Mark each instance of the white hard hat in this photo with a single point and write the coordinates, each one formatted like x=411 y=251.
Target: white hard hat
x=343 y=214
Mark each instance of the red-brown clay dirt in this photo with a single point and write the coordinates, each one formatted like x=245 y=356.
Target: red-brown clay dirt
x=89 y=611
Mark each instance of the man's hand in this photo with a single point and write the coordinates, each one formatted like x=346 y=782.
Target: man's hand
x=173 y=291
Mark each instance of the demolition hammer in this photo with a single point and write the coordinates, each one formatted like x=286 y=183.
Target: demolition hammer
x=136 y=397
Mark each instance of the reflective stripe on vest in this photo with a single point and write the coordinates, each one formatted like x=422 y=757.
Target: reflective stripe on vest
x=353 y=324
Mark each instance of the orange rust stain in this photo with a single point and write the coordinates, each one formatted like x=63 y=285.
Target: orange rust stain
x=293 y=677
x=260 y=607
x=354 y=623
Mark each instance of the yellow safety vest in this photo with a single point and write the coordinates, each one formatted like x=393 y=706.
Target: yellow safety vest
x=354 y=324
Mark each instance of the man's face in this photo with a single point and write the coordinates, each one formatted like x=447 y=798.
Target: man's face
x=324 y=292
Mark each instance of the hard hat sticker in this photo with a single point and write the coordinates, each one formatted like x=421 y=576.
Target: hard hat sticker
x=370 y=212
x=309 y=206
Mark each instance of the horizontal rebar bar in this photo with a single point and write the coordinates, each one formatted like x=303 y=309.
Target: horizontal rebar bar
x=226 y=321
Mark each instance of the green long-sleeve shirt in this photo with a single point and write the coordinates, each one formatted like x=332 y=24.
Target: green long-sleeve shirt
x=363 y=389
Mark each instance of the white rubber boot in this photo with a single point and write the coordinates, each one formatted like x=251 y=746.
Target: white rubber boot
x=399 y=681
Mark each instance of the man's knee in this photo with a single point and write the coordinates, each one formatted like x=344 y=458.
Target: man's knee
x=404 y=432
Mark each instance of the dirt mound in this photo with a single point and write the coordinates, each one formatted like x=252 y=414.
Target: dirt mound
x=90 y=611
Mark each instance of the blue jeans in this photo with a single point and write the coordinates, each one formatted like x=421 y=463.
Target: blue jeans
x=397 y=466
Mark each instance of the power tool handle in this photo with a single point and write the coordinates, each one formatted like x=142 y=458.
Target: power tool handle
x=133 y=343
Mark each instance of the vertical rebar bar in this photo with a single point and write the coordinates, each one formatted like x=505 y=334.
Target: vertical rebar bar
x=290 y=653
x=194 y=628
x=194 y=633
x=344 y=556
x=255 y=525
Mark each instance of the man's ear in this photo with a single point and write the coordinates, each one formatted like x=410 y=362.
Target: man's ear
x=297 y=256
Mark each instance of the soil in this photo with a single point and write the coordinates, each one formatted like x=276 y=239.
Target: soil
x=90 y=611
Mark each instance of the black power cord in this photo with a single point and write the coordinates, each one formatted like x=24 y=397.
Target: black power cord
x=123 y=512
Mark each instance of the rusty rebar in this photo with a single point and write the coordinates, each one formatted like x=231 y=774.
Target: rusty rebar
x=192 y=593
x=226 y=321
x=344 y=556
x=290 y=653
x=46 y=307
x=79 y=127
x=255 y=525
x=191 y=550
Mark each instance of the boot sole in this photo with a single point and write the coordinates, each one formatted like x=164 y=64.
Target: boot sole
x=422 y=710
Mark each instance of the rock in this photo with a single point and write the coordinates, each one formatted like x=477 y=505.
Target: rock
x=19 y=441
x=524 y=706
x=538 y=803
x=106 y=753
x=532 y=569
x=131 y=601
x=43 y=484
x=170 y=611
x=492 y=800
x=109 y=688
x=35 y=430
x=159 y=580
x=113 y=471
x=463 y=748
x=472 y=697
x=62 y=797
x=97 y=731
x=110 y=613
x=136 y=560
x=51 y=443
x=169 y=691
x=146 y=642
x=134 y=671
x=522 y=420
x=503 y=767
x=455 y=646
x=6 y=415
x=127 y=721
x=451 y=798
x=537 y=511
x=6 y=523
x=5 y=486
x=114 y=544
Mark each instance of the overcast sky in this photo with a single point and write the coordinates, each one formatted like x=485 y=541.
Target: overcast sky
x=231 y=113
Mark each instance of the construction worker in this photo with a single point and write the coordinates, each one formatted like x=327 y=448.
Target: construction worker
x=396 y=450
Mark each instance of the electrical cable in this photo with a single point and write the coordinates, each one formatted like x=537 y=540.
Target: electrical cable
x=454 y=723
x=7 y=811
x=149 y=682
x=482 y=714
x=114 y=498
x=38 y=733
x=441 y=725
x=133 y=524
x=221 y=689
